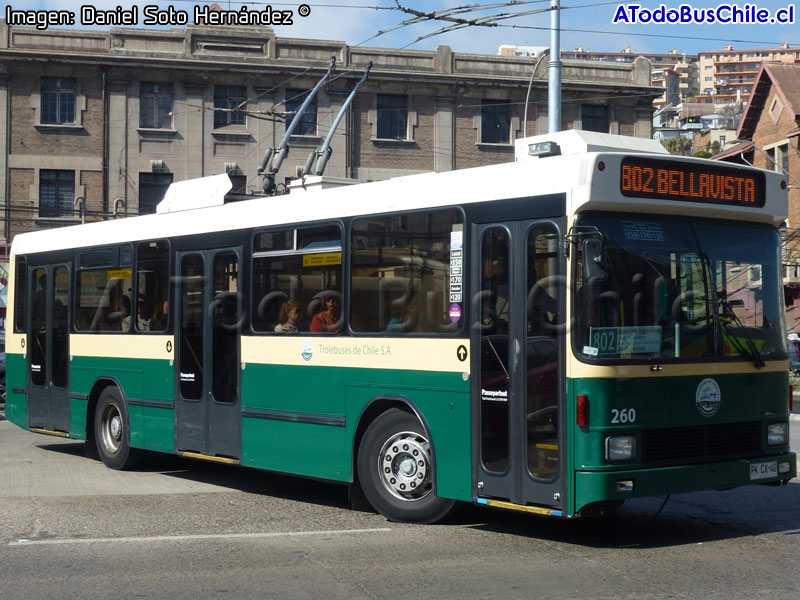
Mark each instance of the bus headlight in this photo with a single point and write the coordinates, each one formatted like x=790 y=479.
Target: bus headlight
x=777 y=434
x=620 y=447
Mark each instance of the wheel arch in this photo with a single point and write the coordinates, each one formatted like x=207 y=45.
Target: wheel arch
x=375 y=408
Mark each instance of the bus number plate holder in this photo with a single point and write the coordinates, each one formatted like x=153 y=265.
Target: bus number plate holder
x=766 y=470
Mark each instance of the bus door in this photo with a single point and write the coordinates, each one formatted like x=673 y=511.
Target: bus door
x=209 y=308
x=517 y=307
x=48 y=348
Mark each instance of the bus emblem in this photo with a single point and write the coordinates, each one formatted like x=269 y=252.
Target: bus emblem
x=307 y=351
x=708 y=397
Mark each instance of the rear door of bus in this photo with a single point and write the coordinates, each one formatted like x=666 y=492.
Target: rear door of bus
x=207 y=373
x=48 y=348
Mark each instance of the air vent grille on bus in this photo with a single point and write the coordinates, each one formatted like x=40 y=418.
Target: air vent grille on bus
x=702 y=443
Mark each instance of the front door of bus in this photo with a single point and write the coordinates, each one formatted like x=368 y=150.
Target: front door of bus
x=517 y=301
x=48 y=348
x=207 y=331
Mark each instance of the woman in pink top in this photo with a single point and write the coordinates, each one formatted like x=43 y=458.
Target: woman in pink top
x=327 y=321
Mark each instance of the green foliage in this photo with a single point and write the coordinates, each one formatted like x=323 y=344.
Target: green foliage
x=702 y=154
x=679 y=145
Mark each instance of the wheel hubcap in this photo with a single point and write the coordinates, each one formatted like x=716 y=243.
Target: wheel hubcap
x=112 y=428
x=404 y=465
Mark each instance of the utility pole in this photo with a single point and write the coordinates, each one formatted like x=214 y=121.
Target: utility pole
x=554 y=74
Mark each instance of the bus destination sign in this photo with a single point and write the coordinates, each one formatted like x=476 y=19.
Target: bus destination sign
x=691 y=182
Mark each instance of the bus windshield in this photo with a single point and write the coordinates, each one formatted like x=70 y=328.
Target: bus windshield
x=656 y=288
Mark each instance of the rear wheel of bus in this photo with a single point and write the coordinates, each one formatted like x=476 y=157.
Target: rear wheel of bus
x=395 y=468
x=112 y=431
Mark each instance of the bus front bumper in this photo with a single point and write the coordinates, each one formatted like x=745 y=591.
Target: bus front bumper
x=597 y=486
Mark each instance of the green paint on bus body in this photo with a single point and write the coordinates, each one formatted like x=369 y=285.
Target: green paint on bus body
x=324 y=451
x=16 y=377
x=756 y=398
x=327 y=451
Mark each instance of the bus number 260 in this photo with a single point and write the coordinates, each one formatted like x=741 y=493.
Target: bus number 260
x=626 y=415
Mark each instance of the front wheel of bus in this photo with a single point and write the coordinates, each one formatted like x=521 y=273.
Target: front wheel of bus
x=112 y=431
x=395 y=467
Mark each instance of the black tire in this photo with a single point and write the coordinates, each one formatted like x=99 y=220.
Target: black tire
x=112 y=432
x=396 y=470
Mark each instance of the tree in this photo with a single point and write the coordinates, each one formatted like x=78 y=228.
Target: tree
x=679 y=145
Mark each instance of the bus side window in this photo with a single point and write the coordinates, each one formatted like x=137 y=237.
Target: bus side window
x=152 y=286
x=301 y=265
x=20 y=295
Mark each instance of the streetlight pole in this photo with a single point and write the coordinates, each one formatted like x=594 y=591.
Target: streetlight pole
x=554 y=75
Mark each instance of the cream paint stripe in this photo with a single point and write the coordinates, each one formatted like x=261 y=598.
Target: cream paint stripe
x=579 y=370
x=448 y=355
x=129 y=346
x=184 y=538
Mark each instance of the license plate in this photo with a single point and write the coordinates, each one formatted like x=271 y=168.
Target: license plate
x=765 y=470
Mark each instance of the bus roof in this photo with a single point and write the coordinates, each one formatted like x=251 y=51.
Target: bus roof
x=583 y=166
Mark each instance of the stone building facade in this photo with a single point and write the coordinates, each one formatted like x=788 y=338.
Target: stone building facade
x=99 y=123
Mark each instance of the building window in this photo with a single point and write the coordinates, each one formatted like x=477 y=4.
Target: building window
x=230 y=103
x=308 y=121
x=594 y=118
x=56 y=193
x=771 y=162
x=782 y=158
x=495 y=121
x=392 y=113
x=58 y=101
x=152 y=188
x=155 y=105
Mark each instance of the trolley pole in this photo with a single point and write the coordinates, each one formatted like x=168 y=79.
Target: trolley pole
x=554 y=74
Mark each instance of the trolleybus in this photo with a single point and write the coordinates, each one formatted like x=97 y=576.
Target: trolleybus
x=593 y=322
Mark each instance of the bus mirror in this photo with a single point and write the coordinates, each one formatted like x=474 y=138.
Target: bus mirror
x=593 y=259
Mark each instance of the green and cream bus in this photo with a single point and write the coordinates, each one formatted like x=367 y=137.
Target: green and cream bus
x=593 y=322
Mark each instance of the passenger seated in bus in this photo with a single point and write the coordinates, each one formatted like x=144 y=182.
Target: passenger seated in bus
x=158 y=322
x=490 y=322
x=124 y=313
x=327 y=320
x=143 y=315
x=289 y=317
x=401 y=319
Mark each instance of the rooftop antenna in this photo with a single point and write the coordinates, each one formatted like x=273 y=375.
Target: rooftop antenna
x=283 y=149
x=324 y=153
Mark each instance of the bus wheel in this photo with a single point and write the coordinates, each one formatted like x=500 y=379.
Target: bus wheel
x=112 y=431
x=395 y=469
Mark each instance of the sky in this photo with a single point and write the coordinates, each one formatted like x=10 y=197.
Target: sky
x=586 y=23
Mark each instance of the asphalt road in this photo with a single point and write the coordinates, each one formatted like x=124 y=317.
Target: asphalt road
x=70 y=528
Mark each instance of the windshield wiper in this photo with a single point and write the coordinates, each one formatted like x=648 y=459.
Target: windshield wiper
x=753 y=354
x=718 y=300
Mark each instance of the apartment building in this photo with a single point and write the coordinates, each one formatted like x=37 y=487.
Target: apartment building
x=677 y=73
x=730 y=73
